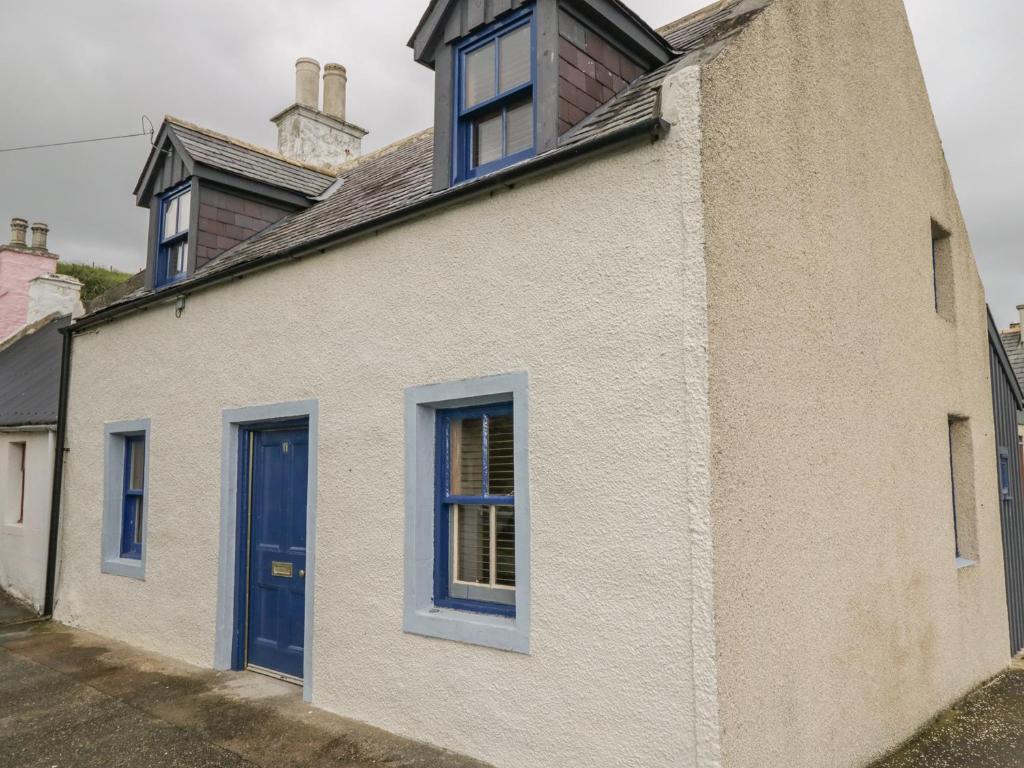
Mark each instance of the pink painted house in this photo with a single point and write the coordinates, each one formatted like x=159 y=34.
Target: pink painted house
x=20 y=265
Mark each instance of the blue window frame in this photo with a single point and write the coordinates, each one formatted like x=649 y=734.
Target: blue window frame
x=172 y=248
x=495 y=104
x=474 y=527
x=132 y=505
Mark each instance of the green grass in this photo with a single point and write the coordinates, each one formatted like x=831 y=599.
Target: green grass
x=95 y=280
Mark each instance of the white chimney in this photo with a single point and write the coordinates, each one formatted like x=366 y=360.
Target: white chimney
x=49 y=294
x=308 y=134
x=1020 y=315
x=335 y=85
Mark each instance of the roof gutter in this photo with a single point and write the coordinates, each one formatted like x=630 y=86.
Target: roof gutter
x=58 y=472
x=654 y=128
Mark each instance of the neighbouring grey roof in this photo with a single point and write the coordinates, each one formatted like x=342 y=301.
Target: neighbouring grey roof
x=399 y=176
x=30 y=376
x=226 y=154
x=1014 y=351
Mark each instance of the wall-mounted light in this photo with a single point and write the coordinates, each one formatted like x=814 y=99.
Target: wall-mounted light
x=179 y=306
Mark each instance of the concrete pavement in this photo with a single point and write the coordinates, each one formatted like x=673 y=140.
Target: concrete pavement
x=70 y=699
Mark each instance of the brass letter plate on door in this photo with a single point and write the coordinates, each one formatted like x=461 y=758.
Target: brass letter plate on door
x=281 y=569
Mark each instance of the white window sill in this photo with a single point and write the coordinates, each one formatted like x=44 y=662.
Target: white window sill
x=963 y=562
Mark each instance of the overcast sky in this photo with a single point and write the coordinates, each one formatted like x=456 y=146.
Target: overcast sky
x=73 y=69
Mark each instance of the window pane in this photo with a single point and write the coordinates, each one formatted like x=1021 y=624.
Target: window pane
x=515 y=66
x=473 y=544
x=505 y=546
x=137 y=500
x=500 y=457
x=467 y=452
x=137 y=462
x=519 y=128
x=177 y=260
x=184 y=208
x=479 y=76
x=171 y=218
x=487 y=141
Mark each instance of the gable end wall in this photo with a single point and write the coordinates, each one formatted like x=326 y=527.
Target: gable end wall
x=843 y=624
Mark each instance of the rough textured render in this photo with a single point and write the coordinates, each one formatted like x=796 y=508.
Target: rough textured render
x=842 y=621
x=620 y=540
x=310 y=136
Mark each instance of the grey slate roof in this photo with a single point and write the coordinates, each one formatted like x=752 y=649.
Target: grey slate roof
x=226 y=154
x=30 y=376
x=398 y=177
x=1014 y=351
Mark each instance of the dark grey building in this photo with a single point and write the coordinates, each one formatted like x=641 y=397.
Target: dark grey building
x=1008 y=402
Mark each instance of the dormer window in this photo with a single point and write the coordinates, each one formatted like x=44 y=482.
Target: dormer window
x=495 y=107
x=172 y=257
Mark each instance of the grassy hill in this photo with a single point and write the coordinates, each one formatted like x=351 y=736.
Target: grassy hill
x=95 y=280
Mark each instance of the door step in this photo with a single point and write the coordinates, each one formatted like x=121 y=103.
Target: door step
x=273 y=674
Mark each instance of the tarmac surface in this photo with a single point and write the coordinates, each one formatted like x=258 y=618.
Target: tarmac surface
x=70 y=699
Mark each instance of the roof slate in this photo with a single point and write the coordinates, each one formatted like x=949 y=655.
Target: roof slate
x=226 y=154
x=30 y=376
x=400 y=175
x=1014 y=351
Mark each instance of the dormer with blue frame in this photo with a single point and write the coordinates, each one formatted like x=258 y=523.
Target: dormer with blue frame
x=207 y=192
x=513 y=76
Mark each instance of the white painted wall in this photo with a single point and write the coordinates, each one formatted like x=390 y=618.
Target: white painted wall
x=49 y=294
x=592 y=280
x=23 y=547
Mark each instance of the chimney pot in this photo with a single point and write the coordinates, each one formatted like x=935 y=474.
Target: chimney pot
x=18 y=229
x=307 y=83
x=335 y=85
x=39 y=233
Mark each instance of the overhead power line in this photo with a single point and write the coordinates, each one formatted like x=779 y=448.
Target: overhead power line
x=147 y=130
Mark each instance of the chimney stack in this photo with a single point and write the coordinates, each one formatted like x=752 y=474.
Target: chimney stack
x=308 y=134
x=39 y=233
x=335 y=84
x=307 y=83
x=1020 y=315
x=18 y=229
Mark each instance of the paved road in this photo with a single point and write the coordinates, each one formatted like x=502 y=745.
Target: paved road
x=69 y=699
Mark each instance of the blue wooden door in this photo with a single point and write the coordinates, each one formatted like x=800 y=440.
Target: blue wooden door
x=277 y=549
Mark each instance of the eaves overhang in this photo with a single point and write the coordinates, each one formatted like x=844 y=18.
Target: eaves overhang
x=652 y=128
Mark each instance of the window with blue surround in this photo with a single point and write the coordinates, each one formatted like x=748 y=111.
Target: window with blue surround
x=125 y=498
x=132 y=507
x=475 y=531
x=172 y=249
x=495 y=75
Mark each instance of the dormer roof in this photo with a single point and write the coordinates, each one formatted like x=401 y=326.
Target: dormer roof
x=446 y=20
x=195 y=146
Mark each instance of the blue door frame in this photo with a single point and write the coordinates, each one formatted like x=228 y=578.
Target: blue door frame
x=288 y=662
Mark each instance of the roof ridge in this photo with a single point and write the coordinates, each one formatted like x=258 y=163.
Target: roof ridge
x=29 y=329
x=325 y=170
x=689 y=18
x=394 y=146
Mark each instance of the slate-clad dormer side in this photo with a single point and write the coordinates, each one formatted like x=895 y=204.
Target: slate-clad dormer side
x=206 y=193
x=512 y=76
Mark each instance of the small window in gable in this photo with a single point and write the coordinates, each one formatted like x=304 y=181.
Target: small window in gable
x=172 y=255
x=495 y=104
